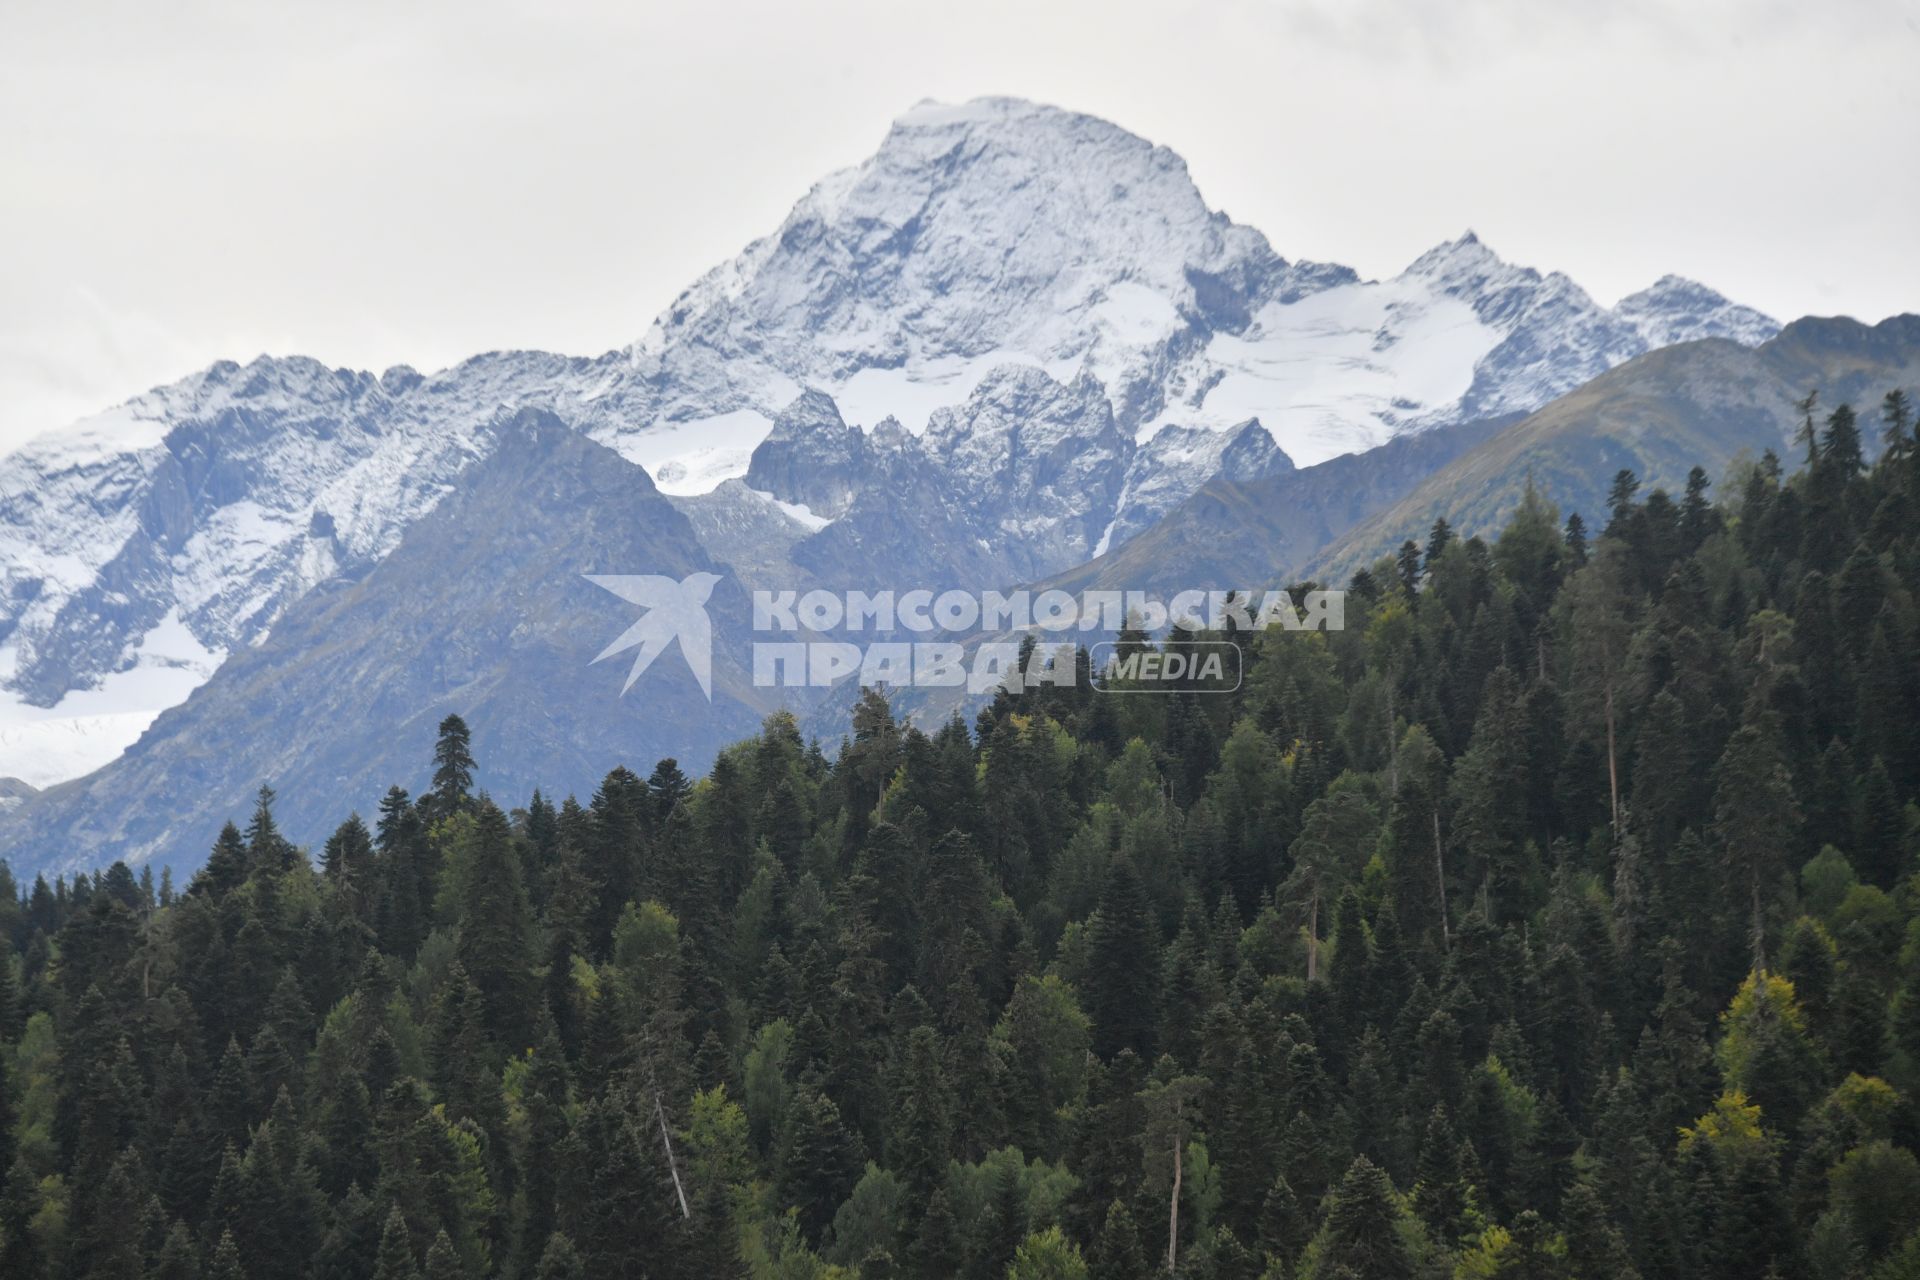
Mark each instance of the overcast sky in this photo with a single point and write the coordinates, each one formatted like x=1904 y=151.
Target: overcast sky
x=186 y=180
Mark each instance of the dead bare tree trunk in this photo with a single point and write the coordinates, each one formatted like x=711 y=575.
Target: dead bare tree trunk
x=673 y=1165
x=1440 y=880
x=1173 y=1208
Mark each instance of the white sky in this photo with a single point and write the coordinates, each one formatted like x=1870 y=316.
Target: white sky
x=371 y=183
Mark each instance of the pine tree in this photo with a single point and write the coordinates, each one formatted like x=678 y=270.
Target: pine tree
x=1047 y=1255
x=495 y=942
x=267 y=849
x=347 y=860
x=1840 y=445
x=1697 y=516
x=226 y=866
x=1116 y=1253
x=405 y=877
x=560 y=1260
x=395 y=1260
x=816 y=1163
x=937 y=1247
x=1575 y=538
x=177 y=1259
x=920 y=1126
x=443 y=1263
x=1283 y=1224
x=226 y=1265
x=616 y=1195
x=8 y=1117
x=1408 y=563
x=1442 y=1196
x=1005 y=1216
x=351 y=1245
x=1122 y=994
x=1361 y=1235
x=452 y=766
x=1438 y=539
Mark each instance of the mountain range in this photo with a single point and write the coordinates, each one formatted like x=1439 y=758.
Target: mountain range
x=1015 y=345
x=1707 y=403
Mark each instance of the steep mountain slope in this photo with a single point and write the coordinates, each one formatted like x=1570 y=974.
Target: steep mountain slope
x=1167 y=469
x=1262 y=533
x=481 y=610
x=140 y=547
x=878 y=510
x=14 y=793
x=1459 y=335
x=1253 y=535
x=1700 y=403
x=1027 y=477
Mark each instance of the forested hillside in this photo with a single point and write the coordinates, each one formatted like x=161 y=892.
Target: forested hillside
x=1559 y=918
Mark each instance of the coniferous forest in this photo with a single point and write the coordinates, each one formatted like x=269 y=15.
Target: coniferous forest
x=1559 y=918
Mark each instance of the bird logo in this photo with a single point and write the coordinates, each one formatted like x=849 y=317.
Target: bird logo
x=674 y=611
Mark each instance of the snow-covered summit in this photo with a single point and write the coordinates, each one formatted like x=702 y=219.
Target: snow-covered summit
x=1675 y=309
x=1001 y=231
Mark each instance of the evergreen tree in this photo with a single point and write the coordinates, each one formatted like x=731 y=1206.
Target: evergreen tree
x=395 y=1261
x=1116 y=1252
x=1124 y=969
x=817 y=1161
x=559 y=1260
x=443 y=1263
x=1363 y=1233
x=452 y=765
x=226 y=1264
x=1047 y=1255
x=1755 y=819
x=495 y=944
x=177 y=1258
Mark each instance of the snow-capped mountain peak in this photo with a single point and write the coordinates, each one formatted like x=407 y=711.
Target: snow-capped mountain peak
x=1499 y=291
x=998 y=231
x=1046 y=296
x=1675 y=309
